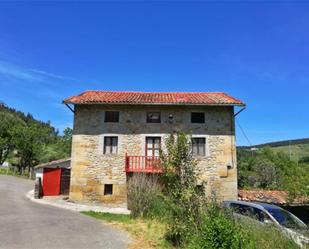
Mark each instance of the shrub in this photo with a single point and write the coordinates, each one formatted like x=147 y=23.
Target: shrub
x=184 y=196
x=144 y=195
x=265 y=236
x=218 y=231
x=159 y=207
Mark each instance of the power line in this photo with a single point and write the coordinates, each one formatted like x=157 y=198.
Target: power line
x=243 y=132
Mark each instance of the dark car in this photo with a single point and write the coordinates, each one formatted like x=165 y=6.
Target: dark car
x=271 y=214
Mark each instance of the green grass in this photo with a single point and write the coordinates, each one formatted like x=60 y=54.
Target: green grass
x=11 y=173
x=123 y=218
x=6 y=172
x=149 y=233
x=266 y=236
x=146 y=233
x=297 y=151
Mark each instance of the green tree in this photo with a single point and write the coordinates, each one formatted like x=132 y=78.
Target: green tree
x=185 y=197
x=28 y=140
x=8 y=123
x=195 y=221
x=66 y=140
x=267 y=169
x=304 y=160
x=297 y=182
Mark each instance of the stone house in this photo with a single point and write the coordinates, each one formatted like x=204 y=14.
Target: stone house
x=118 y=133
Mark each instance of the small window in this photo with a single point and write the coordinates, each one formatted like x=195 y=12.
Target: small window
x=153 y=117
x=111 y=117
x=197 y=117
x=110 y=145
x=108 y=189
x=198 y=146
x=153 y=145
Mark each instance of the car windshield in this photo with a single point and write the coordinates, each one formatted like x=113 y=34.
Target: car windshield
x=286 y=219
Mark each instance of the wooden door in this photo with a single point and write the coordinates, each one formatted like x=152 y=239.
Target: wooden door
x=65 y=181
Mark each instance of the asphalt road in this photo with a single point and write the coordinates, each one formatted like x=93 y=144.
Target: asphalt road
x=25 y=224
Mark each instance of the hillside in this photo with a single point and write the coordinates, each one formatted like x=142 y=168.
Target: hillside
x=26 y=141
x=26 y=117
x=295 y=149
x=281 y=143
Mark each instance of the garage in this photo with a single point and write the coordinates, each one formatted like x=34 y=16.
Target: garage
x=54 y=177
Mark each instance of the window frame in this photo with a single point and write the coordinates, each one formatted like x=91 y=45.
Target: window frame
x=204 y=154
x=109 y=112
x=153 y=149
x=195 y=122
x=111 y=145
x=149 y=120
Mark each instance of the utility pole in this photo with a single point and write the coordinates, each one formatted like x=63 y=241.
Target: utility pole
x=290 y=149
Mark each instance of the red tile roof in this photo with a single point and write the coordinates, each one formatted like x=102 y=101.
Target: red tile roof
x=164 y=98
x=268 y=196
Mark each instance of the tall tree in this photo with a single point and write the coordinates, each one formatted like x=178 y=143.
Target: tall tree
x=8 y=123
x=29 y=140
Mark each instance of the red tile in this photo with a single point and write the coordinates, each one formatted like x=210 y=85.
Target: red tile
x=186 y=98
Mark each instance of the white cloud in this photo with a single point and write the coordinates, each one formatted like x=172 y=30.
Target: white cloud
x=13 y=71
x=51 y=75
x=10 y=70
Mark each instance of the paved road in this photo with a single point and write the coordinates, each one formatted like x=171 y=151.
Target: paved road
x=24 y=224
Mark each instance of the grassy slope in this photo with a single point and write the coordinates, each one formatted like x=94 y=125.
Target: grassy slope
x=297 y=151
x=149 y=233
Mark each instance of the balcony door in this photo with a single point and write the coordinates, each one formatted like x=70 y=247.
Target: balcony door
x=153 y=145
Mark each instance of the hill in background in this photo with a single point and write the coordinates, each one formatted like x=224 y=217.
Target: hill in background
x=295 y=149
x=26 y=141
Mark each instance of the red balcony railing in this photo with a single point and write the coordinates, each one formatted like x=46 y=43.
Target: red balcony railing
x=146 y=164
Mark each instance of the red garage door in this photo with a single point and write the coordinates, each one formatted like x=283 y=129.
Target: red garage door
x=51 y=181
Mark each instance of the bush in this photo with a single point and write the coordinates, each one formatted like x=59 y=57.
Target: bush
x=185 y=197
x=265 y=236
x=218 y=231
x=144 y=195
x=159 y=207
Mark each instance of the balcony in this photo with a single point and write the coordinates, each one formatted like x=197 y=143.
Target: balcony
x=144 y=164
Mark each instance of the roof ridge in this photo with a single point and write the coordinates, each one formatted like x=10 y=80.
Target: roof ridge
x=119 y=91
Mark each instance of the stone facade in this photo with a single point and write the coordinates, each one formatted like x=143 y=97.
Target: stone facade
x=91 y=169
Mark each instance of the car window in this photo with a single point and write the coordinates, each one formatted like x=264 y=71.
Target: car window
x=242 y=209
x=286 y=219
x=261 y=216
x=251 y=212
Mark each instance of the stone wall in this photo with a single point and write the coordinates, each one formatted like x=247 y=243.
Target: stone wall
x=91 y=169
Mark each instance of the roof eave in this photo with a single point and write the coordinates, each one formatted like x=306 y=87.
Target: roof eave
x=155 y=104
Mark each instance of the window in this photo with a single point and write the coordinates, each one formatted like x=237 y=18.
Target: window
x=110 y=145
x=153 y=117
x=242 y=209
x=197 y=117
x=261 y=216
x=252 y=212
x=198 y=146
x=111 y=117
x=153 y=145
x=108 y=189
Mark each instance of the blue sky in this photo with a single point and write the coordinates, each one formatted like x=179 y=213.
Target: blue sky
x=255 y=51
